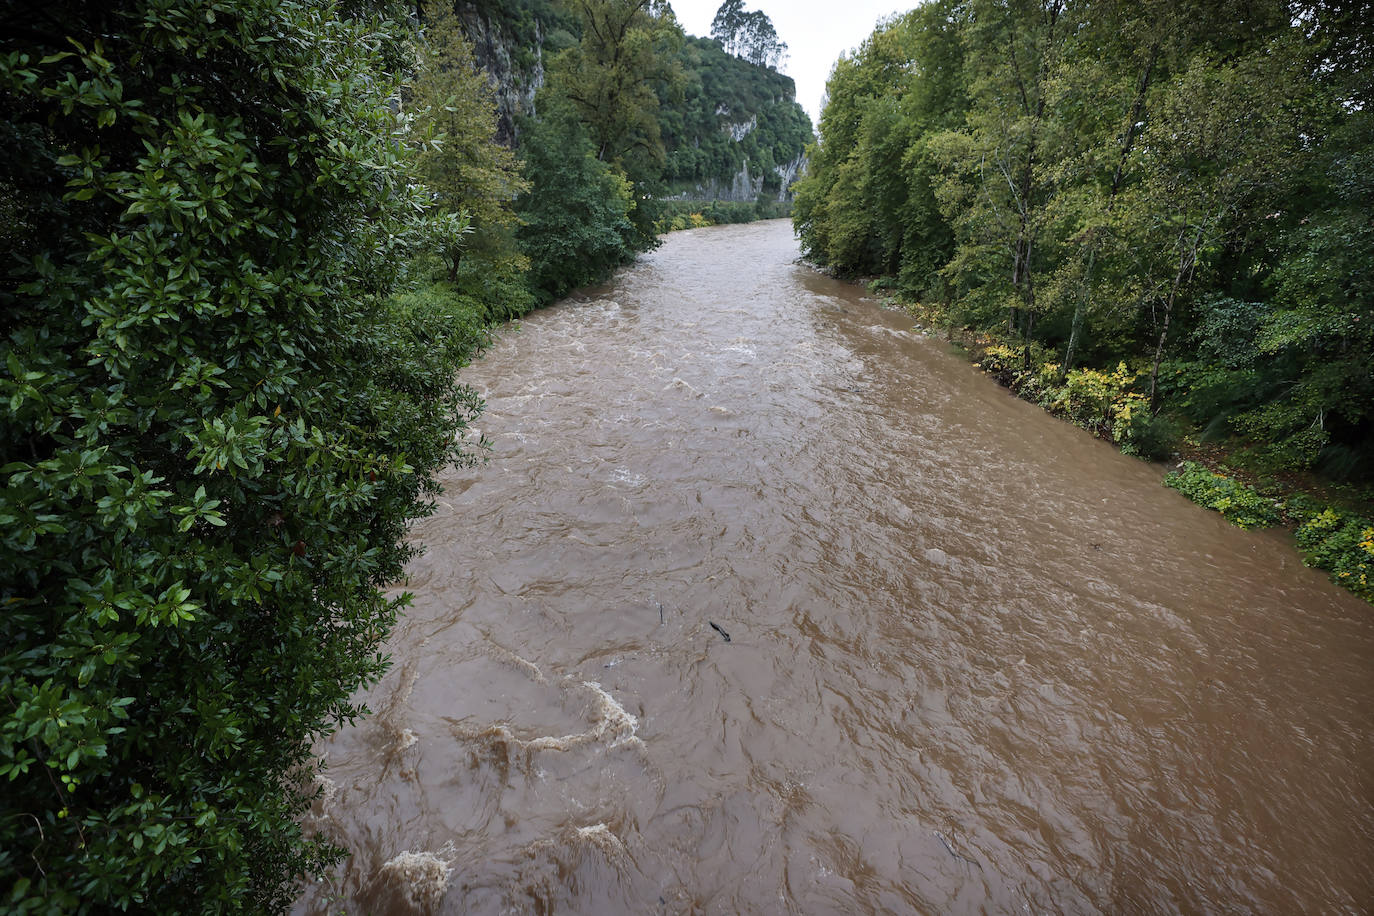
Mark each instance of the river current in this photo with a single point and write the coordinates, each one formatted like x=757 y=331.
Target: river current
x=977 y=661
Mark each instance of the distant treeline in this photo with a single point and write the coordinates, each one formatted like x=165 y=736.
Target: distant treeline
x=1181 y=195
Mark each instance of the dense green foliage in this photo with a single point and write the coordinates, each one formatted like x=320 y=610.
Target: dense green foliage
x=577 y=226
x=1238 y=503
x=217 y=426
x=1183 y=189
x=243 y=264
x=594 y=153
x=717 y=92
x=1152 y=219
x=632 y=110
x=468 y=175
x=1340 y=543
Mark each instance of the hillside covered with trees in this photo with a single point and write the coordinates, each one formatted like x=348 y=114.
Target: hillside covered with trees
x=1159 y=217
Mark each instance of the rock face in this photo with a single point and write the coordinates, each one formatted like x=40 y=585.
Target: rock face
x=514 y=65
x=746 y=186
x=741 y=130
x=737 y=134
x=787 y=174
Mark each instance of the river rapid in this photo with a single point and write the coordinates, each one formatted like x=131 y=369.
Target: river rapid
x=977 y=660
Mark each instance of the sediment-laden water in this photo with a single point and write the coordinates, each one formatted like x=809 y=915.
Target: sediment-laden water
x=977 y=660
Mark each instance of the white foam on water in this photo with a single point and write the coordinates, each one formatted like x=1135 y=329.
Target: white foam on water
x=420 y=879
x=613 y=726
x=601 y=837
x=328 y=788
x=613 y=720
x=627 y=477
x=680 y=384
x=500 y=735
x=502 y=654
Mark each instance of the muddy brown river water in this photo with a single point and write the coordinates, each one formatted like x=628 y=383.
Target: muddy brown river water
x=977 y=660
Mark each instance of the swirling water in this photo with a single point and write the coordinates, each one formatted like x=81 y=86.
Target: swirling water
x=978 y=661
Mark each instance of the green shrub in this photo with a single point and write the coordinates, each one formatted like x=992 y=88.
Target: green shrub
x=692 y=214
x=1240 y=505
x=216 y=430
x=1150 y=436
x=576 y=214
x=1343 y=545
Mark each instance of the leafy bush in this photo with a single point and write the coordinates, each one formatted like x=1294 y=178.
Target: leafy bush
x=1150 y=436
x=1239 y=504
x=999 y=358
x=1099 y=401
x=1343 y=545
x=216 y=430
x=1102 y=401
x=576 y=215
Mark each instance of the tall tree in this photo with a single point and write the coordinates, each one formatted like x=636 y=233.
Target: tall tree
x=459 y=160
x=628 y=48
x=1219 y=141
x=727 y=24
x=998 y=176
x=748 y=34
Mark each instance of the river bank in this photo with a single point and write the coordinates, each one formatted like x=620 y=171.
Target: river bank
x=1333 y=524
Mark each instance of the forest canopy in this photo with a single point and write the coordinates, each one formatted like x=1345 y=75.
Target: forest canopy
x=1181 y=190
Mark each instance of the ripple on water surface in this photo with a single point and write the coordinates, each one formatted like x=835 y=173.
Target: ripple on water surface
x=977 y=659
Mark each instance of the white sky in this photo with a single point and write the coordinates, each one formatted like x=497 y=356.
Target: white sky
x=817 y=32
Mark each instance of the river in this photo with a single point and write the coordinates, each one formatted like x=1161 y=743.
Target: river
x=977 y=660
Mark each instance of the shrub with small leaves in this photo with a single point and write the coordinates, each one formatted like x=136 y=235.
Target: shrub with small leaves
x=1343 y=545
x=216 y=428
x=1240 y=504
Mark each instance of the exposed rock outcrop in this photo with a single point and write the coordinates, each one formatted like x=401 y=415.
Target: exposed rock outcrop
x=514 y=65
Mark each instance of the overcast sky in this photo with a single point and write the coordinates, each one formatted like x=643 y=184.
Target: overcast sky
x=816 y=32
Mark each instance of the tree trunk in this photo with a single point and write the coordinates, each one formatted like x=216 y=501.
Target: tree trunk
x=1186 y=260
x=1080 y=308
x=1128 y=141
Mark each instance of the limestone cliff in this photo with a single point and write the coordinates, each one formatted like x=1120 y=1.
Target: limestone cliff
x=508 y=41
x=736 y=132
x=731 y=131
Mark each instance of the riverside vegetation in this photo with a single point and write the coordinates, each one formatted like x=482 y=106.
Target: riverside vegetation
x=247 y=244
x=1155 y=219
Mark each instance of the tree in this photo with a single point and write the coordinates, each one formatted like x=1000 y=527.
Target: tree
x=1320 y=330
x=748 y=34
x=214 y=435
x=628 y=47
x=459 y=160
x=576 y=213
x=997 y=180
x=1214 y=147
x=728 y=22
x=866 y=205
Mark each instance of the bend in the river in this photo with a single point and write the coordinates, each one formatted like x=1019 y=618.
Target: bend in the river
x=978 y=661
